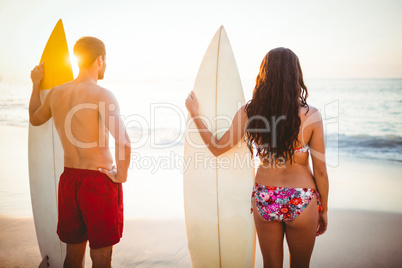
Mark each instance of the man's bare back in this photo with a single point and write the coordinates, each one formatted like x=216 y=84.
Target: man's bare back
x=79 y=110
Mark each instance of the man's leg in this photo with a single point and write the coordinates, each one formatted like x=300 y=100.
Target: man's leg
x=102 y=257
x=75 y=255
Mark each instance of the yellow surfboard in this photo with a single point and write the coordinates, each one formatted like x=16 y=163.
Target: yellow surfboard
x=45 y=153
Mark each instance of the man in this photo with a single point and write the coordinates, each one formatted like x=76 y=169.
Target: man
x=90 y=191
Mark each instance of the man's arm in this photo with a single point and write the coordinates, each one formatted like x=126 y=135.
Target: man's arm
x=116 y=127
x=39 y=112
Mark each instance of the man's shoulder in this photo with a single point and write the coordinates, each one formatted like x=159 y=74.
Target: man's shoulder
x=101 y=90
x=86 y=91
x=58 y=89
x=104 y=93
x=62 y=86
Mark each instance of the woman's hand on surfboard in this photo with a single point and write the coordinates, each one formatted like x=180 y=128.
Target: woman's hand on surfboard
x=37 y=74
x=192 y=104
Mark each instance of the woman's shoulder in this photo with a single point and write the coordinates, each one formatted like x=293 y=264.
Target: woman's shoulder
x=310 y=117
x=309 y=111
x=242 y=110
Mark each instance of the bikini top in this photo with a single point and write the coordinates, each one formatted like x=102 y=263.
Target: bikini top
x=302 y=149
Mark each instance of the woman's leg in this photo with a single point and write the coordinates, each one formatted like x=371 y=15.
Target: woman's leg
x=270 y=236
x=301 y=234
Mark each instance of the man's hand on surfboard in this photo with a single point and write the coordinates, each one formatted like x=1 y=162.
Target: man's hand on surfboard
x=192 y=104
x=37 y=74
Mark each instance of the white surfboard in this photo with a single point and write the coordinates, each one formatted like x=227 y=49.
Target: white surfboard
x=217 y=190
x=45 y=153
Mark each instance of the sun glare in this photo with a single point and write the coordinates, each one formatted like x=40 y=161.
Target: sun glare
x=74 y=65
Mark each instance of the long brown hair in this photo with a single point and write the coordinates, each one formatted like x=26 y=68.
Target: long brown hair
x=273 y=112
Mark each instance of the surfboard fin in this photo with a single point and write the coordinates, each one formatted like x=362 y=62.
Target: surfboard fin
x=44 y=263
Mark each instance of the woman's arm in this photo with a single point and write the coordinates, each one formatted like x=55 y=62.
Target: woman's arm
x=317 y=149
x=231 y=137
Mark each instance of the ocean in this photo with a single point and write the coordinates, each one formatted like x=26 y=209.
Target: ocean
x=362 y=117
x=362 y=120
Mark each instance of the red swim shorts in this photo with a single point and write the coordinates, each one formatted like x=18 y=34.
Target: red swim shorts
x=90 y=208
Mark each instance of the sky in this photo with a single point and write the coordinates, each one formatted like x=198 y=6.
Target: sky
x=165 y=40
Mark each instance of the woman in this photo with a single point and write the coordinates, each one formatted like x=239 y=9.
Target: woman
x=288 y=199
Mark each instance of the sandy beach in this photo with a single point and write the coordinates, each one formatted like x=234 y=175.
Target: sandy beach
x=364 y=218
x=354 y=239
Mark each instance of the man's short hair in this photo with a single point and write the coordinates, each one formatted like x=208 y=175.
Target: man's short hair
x=87 y=49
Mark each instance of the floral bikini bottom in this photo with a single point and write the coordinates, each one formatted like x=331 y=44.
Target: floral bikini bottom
x=282 y=204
